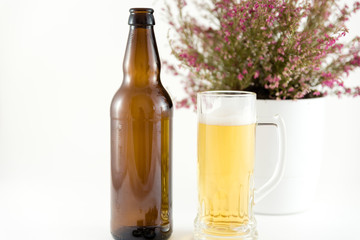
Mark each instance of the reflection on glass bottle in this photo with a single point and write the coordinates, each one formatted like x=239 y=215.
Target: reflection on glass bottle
x=141 y=129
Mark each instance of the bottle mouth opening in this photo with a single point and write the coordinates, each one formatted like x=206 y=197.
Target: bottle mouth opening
x=141 y=10
x=141 y=17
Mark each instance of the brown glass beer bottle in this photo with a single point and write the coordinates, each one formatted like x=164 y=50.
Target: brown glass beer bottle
x=141 y=129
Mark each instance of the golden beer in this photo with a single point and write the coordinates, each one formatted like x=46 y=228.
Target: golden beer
x=225 y=175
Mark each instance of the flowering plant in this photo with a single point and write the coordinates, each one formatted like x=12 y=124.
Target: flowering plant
x=280 y=49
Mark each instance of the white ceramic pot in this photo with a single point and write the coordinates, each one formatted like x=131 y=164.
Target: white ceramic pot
x=304 y=121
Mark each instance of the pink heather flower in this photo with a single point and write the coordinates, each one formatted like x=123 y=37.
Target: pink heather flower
x=281 y=51
x=274 y=85
x=281 y=59
x=192 y=61
x=291 y=89
x=356 y=7
x=183 y=55
x=326 y=74
x=267 y=68
x=327 y=14
x=256 y=75
x=330 y=43
x=240 y=76
x=268 y=78
x=319 y=40
x=171 y=68
x=329 y=83
x=224 y=25
x=183 y=103
x=357 y=91
x=317 y=93
x=231 y=14
x=245 y=71
x=322 y=54
x=299 y=95
x=339 y=46
x=347 y=69
x=356 y=61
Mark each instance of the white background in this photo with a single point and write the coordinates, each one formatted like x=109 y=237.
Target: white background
x=60 y=64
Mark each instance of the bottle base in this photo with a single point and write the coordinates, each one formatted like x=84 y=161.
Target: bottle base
x=138 y=233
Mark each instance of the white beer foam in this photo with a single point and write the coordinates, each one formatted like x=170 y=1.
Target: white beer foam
x=229 y=113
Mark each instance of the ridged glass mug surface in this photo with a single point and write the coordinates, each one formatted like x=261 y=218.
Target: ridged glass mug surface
x=226 y=153
x=224 y=186
x=226 y=149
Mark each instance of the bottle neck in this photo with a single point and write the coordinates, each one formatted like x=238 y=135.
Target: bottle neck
x=141 y=62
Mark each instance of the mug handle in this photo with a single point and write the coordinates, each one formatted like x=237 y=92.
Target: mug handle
x=274 y=180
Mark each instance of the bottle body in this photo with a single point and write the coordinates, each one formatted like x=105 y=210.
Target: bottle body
x=141 y=134
x=141 y=163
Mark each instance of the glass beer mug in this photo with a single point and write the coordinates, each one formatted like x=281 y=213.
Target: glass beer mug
x=226 y=155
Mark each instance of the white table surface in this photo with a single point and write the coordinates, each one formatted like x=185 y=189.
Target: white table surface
x=43 y=207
